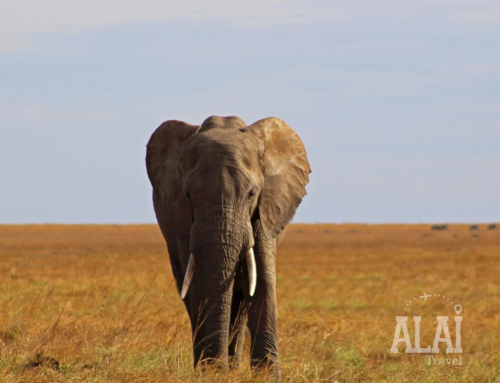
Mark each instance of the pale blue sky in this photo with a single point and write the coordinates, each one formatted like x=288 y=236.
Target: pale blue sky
x=398 y=104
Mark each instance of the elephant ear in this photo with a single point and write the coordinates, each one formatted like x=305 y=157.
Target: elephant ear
x=286 y=172
x=163 y=159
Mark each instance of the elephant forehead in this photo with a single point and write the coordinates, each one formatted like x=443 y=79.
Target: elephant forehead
x=218 y=147
x=225 y=165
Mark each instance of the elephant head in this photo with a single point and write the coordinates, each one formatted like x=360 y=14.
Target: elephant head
x=223 y=194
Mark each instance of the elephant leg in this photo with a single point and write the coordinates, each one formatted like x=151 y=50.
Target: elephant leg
x=262 y=315
x=237 y=326
x=175 y=247
x=262 y=322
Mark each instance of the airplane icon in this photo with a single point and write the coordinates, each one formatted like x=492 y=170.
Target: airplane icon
x=425 y=296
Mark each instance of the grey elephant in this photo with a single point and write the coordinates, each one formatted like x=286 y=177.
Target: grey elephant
x=223 y=194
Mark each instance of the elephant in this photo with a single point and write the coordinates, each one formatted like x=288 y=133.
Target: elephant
x=439 y=227
x=223 y=194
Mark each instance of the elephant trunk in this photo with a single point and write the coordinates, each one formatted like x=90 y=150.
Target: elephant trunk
x=217 y=246
x=211 y=314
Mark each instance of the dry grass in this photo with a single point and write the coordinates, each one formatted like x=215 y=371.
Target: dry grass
x=96 y=303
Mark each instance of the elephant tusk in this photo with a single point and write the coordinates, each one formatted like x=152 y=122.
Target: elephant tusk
x=189 y=276
x=252 y=272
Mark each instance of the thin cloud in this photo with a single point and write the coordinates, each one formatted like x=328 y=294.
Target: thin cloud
x=476 y=17
x=21 y=19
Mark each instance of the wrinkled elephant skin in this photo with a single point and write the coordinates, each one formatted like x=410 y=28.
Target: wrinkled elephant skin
x=223 y=194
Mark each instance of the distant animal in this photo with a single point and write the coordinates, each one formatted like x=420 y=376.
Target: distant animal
x=223 y=194
x=493 y=226
x=439 y=227
x=474 y=227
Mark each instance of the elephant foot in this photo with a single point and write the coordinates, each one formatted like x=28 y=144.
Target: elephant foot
x=211 y=364
x=268 y=367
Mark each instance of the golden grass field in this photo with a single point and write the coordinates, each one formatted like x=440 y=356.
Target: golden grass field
x=96 y=303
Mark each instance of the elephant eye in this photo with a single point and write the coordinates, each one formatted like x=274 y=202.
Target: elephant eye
x=252 y=193
x=188 y=196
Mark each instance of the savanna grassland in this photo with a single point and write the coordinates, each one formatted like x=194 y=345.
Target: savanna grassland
x=96 y=303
